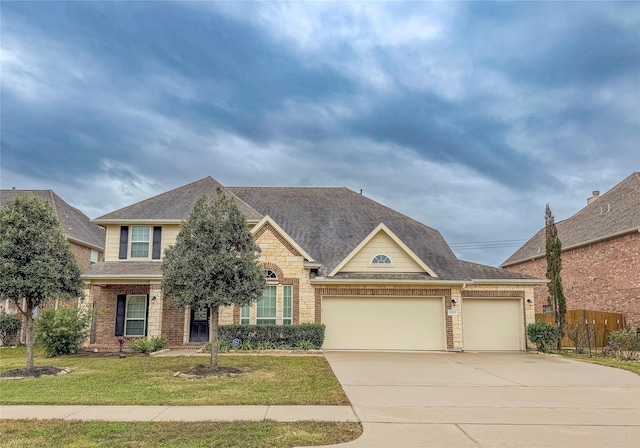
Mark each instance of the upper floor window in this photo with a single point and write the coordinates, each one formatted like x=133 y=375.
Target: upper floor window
x=270 y=274
x=381 y=259
x=94 y=256
x=140 y=242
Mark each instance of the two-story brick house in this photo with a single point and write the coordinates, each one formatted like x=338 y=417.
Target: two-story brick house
x=85 y=237
x=376 y=278
x=600 y=254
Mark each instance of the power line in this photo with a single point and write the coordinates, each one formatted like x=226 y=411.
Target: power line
x=496 y=244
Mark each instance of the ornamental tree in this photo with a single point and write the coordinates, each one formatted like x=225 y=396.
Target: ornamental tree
x=36 y=262
x=213 y=263
x=554 y=265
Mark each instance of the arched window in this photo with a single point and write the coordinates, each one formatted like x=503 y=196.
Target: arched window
x=381 y=259
x=270 y=274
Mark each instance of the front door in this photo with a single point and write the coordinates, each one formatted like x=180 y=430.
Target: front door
x=199 y=325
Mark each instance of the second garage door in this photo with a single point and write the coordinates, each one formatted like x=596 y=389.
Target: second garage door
x=492 y=324
x=384 y=323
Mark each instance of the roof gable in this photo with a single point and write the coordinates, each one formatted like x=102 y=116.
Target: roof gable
x=176 y=204
x=76 y=225
x=616 y=212
x=268 y=224
x=330 y=222
x=362 y=254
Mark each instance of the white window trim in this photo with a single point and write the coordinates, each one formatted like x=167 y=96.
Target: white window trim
x=279 y=317
x=273 y=318
x=149 y=242
x=289 y=318
x=127 y=319
x=380 y=265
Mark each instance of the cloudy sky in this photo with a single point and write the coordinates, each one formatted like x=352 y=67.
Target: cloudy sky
x=467 y=116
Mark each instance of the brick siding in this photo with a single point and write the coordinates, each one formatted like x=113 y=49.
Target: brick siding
x=603 y=276
x=106 y=299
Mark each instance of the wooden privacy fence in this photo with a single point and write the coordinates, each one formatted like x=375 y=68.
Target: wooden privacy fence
x=596 y=325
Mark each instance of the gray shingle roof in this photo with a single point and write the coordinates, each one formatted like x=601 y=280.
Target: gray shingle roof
x=328 y=223
x=75 y=224
x=121 y=268
x=613 y=213
x=481 y=272
x=177 y=203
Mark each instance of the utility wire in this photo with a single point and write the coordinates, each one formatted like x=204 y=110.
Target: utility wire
x=487 y=244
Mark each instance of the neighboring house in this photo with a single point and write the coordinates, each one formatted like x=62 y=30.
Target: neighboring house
x=85 y=237
x=376 y=278
x=600 y=254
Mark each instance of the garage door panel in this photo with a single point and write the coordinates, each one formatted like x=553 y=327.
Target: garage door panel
x=492 y=324
x=389 y=323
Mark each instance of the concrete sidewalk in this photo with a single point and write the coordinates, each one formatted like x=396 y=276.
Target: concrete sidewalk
x=181 y=413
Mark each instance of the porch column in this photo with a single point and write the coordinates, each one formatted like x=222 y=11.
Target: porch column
x=155 y=310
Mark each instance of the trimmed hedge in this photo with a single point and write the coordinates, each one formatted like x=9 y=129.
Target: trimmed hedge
x=278 y=336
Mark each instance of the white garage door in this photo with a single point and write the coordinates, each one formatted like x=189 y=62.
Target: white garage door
x=386 y=323
x=492 y=324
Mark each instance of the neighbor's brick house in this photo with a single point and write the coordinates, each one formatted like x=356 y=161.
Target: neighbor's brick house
x=85 y=238
x=376 y=278
x=600 y=254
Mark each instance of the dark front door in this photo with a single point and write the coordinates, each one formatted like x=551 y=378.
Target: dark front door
x=199 y=326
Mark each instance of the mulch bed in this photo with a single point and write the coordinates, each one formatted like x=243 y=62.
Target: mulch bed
x=201 y=371
x=35 y=372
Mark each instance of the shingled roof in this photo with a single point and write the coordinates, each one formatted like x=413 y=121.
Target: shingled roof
x=329 y=223
x=76 y=225
x=176 y=204
x=482 y=272
x=617 y=212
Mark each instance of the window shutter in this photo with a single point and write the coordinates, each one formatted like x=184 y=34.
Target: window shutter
x=157 y=238
x=146 y=317
x=120 y=310
x=124 y=242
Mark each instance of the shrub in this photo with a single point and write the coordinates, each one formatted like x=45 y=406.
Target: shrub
x=9 y=325
x=142 y=345
x=625 y=343
x=280 y=336
x=543 y=335
x=582 y=335
x=305 y=345
x=62 y=331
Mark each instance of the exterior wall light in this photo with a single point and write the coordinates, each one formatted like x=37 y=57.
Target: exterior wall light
x=453 y=302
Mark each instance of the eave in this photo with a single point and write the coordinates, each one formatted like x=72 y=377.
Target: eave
x=151 y=221
x=575 y=246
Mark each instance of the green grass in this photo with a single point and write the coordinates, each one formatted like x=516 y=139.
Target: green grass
x=146 y=380
x=55 y=433
x=630 y=365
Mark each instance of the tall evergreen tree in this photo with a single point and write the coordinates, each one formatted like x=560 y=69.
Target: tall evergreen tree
x=554 y=265
x=213 y=263
x=36 y=262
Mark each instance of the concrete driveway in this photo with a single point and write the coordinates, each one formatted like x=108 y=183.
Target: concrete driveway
x=488 y=400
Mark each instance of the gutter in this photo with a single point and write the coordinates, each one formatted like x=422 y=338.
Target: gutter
x=575 y=246
x=462 y=283
x=151 y=221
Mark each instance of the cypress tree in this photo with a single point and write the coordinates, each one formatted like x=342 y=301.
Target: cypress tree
x=553 y=255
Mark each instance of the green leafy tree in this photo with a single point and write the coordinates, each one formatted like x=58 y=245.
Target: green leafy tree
x=554 y=265
x=213 y=263
x=36 y=262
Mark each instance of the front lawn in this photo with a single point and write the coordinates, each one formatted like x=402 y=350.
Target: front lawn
x=56 y=433
x=146 y=380
x=630 y=365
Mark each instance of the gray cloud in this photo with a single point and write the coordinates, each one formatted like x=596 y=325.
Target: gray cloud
x=466 y=116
